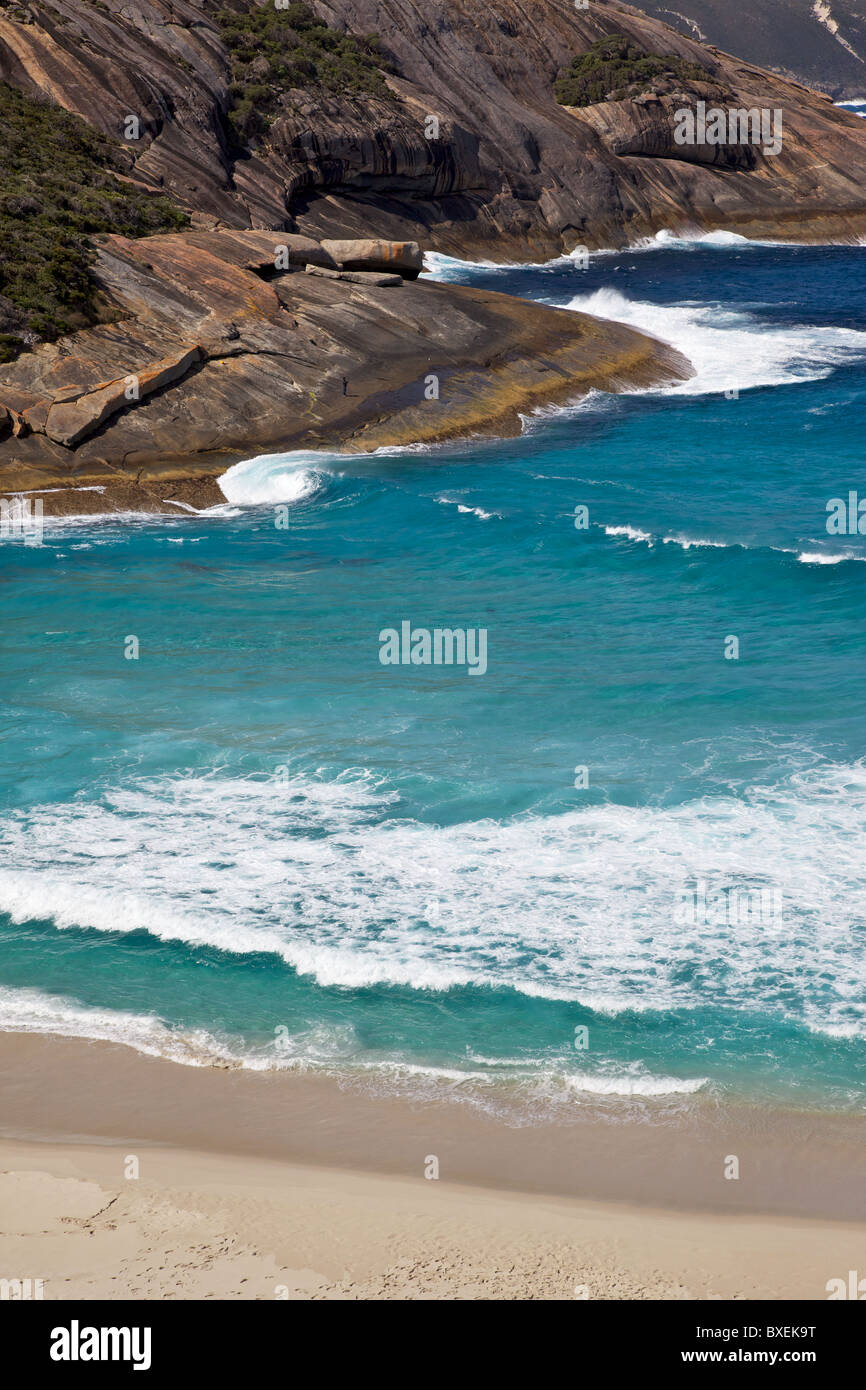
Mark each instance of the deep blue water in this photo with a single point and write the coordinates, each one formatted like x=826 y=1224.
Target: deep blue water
x=256 y=839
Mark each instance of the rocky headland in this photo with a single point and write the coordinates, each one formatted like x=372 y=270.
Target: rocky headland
x=215 y=353
x=357 y=121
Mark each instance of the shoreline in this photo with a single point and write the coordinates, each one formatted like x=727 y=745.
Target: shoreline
x=685 y=233
x=56 y=1089
x=161 y=1181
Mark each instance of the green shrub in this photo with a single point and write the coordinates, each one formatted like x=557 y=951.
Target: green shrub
x=617 y=66
x=272 y=50
x=57 y=187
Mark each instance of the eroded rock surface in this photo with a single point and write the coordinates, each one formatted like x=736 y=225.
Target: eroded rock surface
x=470 y=155
x=215 y=354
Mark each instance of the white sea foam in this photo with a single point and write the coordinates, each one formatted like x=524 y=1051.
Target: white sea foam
x=624 y=1085
x=286 y=477
x=634 y=533
x=125 y=521
x=686 y=241
x=332 y=1049
x=730 y=349
x=591 y=402
x=467 y=510
x=631 y=533
x=35 y=1011
x=441 y=267
x=547 y=1085
x=698 y=543
x=806 y=557
x=578 y=906
x=827 y=557
x=299 y=474
x=29 y=491
x=26 y=1010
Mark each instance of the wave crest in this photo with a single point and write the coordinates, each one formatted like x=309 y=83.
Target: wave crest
x=275 y=478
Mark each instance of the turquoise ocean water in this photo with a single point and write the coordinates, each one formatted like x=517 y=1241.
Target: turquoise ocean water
x=256 y=842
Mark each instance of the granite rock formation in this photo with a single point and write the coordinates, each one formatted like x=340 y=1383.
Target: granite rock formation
x=470 y=154
x=214 y=353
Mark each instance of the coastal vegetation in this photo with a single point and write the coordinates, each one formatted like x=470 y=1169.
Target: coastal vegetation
x=58 y=188
x=275 y=50
x=616 y=67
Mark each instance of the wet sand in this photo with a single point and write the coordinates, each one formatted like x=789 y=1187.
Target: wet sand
x=264 y=1185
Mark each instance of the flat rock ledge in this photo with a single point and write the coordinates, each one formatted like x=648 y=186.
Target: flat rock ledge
x=215 y=346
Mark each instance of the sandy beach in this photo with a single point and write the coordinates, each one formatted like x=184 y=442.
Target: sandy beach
x=266 y=1186
x=431 y=706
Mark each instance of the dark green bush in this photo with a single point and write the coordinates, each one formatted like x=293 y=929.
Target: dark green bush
x=57 y=187
x=617 y=66
x=272 y=50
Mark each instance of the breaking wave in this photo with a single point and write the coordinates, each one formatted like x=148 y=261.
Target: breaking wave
x=729 y=349
x=579 y=906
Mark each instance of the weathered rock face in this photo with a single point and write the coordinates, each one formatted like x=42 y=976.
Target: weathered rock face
x=76 y=413
x=159 y=61
x=473 y=155
x=555 y=178
x=215 y=354
x=357 y=277
x=372 y=147
x=647 y=126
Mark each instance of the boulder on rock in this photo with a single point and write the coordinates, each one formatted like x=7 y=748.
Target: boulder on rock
x=269 y=250
x=401 y=257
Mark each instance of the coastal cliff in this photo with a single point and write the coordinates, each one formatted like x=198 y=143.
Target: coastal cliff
x=459 y=142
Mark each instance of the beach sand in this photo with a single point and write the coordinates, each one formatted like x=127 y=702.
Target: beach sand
x=263 y=1186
